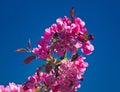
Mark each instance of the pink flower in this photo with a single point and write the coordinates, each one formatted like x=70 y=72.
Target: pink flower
x=2 y=89
x=54 y=28
x=75 y=28
x=79 y=21
x=59 y=21
x=78 y=44
x=87 y=48
x=60 y=49
x=41 y=52
x=12 y=87
x=67 y=20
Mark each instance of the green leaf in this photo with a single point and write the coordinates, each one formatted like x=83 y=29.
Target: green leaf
x=66 y=59
x=38 y=90
x=48 y=59
x=58 y=63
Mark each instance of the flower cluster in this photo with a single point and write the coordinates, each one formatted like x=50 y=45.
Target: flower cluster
x=12 y=87
x=62 y=78
x=60 y=73
x=63 y=37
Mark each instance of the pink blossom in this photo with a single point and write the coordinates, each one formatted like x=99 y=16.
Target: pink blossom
x=12 y=87
x=78 y=44
x=87 y=48
x=2 y=89
x=79 y=21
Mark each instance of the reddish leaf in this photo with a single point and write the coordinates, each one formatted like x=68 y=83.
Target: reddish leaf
x=21 y=50
x=74 y=57
x=72 y=12
x=29 y=59
x=29 y=44
x=48 y=67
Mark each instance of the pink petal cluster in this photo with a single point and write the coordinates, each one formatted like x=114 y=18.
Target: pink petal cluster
x=64 y=80
x=64 y=36
x=12 y=87
x=87 y=47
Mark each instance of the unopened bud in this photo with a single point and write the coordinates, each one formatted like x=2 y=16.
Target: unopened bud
x=91 y=37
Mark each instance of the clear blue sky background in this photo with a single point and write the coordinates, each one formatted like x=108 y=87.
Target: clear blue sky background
x=24 y=19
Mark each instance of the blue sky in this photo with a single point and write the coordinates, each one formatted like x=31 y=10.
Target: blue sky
x=24 y=19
